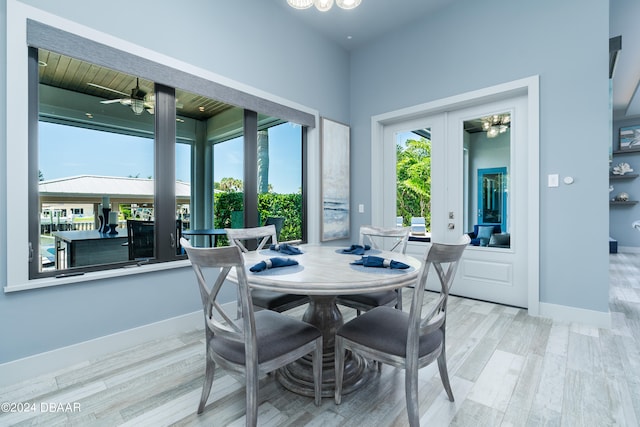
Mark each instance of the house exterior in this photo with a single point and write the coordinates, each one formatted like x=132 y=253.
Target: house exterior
x=463 y=47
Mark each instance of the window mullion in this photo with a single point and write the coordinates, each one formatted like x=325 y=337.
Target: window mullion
x=250 y=168
x=165 y=174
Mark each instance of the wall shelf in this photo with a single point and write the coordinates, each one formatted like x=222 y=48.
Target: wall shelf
x=630 y=150
x=625 y=176
x=621 y=203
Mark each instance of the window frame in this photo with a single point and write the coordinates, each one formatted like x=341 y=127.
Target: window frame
x=23 y=22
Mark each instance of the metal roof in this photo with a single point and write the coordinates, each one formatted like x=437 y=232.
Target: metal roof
x=98 y=186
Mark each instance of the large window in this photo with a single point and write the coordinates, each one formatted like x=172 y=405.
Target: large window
x=124 y=166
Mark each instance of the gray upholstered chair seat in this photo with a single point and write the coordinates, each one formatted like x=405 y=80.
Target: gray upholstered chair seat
x=275 y=334
x=370 y=299
x=390 y=337
x=276 y=301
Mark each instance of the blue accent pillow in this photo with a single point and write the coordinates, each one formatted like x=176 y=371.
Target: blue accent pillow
x=485 y=232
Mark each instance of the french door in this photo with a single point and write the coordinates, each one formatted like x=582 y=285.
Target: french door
x=478 y=181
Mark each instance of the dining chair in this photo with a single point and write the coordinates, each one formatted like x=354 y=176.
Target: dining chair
x=406 y=340
x=140 y=239
x=276 y=221
x=392 y=239
x=269 y=300
x=257 y=343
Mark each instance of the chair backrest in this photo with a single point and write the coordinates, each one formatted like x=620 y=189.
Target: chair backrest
x=418 y=225
x=276 y=221
x=263 y=234
x=376 y=237
x=208 y=261
x=140 y=239
x=444 y=258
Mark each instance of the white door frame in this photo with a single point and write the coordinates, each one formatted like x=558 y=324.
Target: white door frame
x=530 y=88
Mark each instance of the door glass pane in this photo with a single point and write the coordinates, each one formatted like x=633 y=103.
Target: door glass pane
x=95 y=161
x=413 y=185
x=487 y=145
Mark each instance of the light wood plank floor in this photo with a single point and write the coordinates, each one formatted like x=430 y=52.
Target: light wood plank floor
x=506 y=369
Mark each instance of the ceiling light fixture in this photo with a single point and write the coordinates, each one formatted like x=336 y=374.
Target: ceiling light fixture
x=496 y=124
x=348 y=4
x=137 y=98
x=323 y=5
x=300 y=4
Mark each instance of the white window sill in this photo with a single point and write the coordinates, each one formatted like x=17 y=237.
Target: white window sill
x=96 y=275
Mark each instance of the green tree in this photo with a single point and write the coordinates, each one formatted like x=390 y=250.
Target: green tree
x=229 y=185
x=413 y=170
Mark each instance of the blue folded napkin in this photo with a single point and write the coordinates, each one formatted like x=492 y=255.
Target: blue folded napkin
x=273 y=263
x=376 y=261
x=356 y=249
x=285 y=248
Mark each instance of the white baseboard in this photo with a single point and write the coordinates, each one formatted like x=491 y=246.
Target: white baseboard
x=598 y=319
x=629 y=249
x=51 y=361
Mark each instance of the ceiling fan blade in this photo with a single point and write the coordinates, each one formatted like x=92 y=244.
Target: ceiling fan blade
x=107 y=88
x=110 y=101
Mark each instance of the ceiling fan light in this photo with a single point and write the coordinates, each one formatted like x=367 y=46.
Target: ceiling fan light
x=137 y=105
x=348 y=4
x=323 y=5
x=300 y=4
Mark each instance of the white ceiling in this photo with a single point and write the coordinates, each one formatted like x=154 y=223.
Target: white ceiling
x=374 y=18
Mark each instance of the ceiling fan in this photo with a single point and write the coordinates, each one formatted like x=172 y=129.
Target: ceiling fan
x=138 y=99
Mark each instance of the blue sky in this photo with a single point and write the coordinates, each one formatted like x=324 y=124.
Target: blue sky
x=70 y=151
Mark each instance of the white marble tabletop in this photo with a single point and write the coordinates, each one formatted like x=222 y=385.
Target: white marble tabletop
x=324 y=270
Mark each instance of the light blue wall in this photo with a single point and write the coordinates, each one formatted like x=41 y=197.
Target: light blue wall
x=249 y=44
x=472 y=45
x=438 y=56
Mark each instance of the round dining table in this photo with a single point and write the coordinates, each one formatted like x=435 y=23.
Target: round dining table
x=324 y=272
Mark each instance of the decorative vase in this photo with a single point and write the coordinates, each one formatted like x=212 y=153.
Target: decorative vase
x=104 y=218
x=101 y=218
x=112 y=228
x=622 y=197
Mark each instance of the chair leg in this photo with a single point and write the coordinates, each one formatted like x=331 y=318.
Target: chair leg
x=252 y=396
x=317 y=372
x=444 y=374
x=339 y=367
x=411 y=391
x=399 y=303
x=208 y=382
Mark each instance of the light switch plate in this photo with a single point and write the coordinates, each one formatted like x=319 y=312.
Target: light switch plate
x=553 y=180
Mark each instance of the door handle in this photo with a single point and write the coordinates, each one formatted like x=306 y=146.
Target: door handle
x=451 y=226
